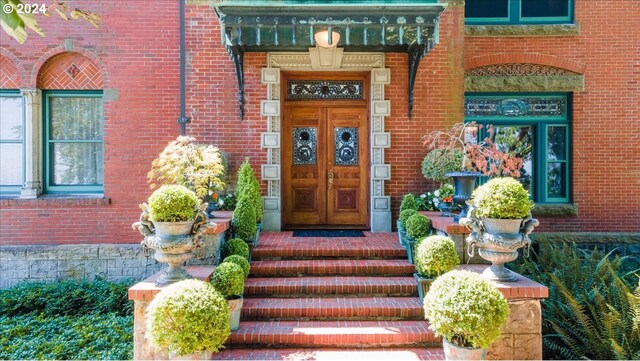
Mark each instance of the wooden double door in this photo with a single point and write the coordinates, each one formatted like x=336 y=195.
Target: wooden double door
x=325 y=160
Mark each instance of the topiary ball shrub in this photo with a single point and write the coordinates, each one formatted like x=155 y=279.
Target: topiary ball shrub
x=404 y=216
x=502 y=198
x=236 y=246
x=228 y=279
x=240 y=261
x=465 y=309
x=439 y=162
x=244 y=219
x=188 y=316
x=408 y=202
x=418 y=226
x=173 y=203
x=435 y=255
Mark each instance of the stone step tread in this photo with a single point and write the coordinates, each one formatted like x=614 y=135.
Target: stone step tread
x=282 y=334
x=328 y=248
x=332 y=308
x=317 y=354
x=330 y=285
x=352 y=267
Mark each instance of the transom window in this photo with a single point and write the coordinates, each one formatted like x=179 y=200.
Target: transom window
x=11 y=142
x=518 y=11
x=535 y=127
x=74 y=161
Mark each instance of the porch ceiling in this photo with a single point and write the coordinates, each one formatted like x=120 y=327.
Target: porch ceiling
x=364 y=25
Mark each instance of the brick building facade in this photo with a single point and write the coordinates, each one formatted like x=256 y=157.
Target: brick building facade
x=132 y=63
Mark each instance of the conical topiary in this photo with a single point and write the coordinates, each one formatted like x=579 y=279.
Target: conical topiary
x=248 y=184
x=244 y=219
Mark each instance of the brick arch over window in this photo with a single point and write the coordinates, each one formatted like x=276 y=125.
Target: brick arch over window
x=525 y=58
x=70 y=70
x=11 y=70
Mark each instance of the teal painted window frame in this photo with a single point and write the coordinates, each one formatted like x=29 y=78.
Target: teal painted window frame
x=515 y=17
x=540 y=125
x=13 y=189
x=50 y=188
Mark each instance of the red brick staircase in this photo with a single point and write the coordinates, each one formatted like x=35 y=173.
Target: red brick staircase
x=331 y=298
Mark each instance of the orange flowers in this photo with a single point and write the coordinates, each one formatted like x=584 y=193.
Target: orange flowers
x=447 y=199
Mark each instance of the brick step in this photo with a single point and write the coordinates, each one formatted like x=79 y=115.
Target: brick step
x=350 y=308
x=285 y=334
x=317 y=354
x=330 y=285
x=381 y=267
x=326 y=248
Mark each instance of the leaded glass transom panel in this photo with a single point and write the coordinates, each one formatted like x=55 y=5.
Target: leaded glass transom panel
x=323 y=89
x=304 y=146
x=515 y=107
x=346 y=142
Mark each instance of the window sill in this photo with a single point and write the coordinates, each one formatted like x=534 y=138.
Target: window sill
x=57 y=200
x=522 y=30
x=555 y=210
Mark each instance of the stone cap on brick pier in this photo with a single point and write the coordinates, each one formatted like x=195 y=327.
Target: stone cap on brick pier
x=147 y=289
x=222 y=220
x=522 y=288
x=445 y=224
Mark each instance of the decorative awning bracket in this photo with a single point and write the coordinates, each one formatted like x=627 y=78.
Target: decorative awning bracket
x=237 y=55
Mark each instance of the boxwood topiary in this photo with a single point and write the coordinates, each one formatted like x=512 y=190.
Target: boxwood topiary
x=187 y=317
x=236 y=246
x=173 y=203
x=244 y=219
x=439 y=162
x=465 y=309
x=418 y=226
x=408 y=202
x=435 y=255
x=404 y=215
x=248 y=184
x=502 y=198
x=228 y=279
x=240 y=261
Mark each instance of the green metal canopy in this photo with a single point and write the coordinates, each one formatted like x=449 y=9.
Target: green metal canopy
x=289 y=25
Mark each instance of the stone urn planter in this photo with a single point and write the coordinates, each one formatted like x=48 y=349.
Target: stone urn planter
x=453 y=352
x=464 y=183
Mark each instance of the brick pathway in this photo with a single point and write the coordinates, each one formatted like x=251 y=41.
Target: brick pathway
x=331 y=299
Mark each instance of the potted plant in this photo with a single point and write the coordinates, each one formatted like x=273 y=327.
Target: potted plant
x=402 y=222
x=500 y=222
x=434 y=256
x=236 y=246
x=228 y=279
x=438 y=162
x=173 y=222
x=244 y=220
x=408 y=202
x=418 y=227
x=248 y=185
x=198 y=167
x=240 y=261
x=478 y=158
x=467 y=311
x=188 y=317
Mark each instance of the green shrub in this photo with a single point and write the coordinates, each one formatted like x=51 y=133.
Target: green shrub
x=465 y=309
x=244 y=219
x=501 y=198
x=418 y=226
x=87 y=337
x=248 y=185
x=439 y=162
x=435 y=255
x=173 y=203
x=590 y=310
x=188 y=316
x=240 y=261
x=404 y=215
x=236 y=246
x=66 y=298
x=228 y=279
x=408 y=202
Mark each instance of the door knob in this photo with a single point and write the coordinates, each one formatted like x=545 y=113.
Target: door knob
x=330 y=179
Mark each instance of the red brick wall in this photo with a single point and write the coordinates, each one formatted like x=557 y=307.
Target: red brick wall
x=606 y=144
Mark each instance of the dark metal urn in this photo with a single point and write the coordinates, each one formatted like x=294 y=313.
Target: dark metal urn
x=464 y=184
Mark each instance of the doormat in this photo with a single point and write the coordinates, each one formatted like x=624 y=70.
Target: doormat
x=328 y=233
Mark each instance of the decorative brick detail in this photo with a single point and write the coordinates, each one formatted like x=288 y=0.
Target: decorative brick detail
x=517 y=69
x=525 y=58
x=9 y=74
x=70 y=71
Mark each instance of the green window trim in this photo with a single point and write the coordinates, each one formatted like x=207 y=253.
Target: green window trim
x=516 y=17
x=540 y=127
x=49 y=186
x=14 y=189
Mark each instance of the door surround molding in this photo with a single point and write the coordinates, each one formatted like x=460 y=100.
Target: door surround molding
x=314 y=60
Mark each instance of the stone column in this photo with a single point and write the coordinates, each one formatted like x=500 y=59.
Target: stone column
x=32 y=186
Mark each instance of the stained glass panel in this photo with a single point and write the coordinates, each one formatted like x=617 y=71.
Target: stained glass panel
x=346 y=143
x=304 y=146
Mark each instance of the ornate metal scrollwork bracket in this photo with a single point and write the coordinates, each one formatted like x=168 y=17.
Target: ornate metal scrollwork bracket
x=416 y=53
x=237 y=55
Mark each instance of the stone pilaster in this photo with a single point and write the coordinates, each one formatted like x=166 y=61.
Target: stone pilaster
x=32 y=186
